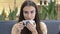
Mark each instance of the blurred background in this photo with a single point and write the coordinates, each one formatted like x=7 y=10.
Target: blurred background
x=44 y=7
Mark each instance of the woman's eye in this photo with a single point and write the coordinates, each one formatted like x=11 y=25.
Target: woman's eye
x=32 y=11
x=25 y=12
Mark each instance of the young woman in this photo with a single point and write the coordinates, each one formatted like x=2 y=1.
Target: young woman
x=29 y=11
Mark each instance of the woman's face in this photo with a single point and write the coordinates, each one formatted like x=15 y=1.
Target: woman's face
x=29 y=12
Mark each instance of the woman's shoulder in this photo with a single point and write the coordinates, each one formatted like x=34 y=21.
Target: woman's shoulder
x=15 y=25
x=43 y=27
x=14 y=29
x=42 y=23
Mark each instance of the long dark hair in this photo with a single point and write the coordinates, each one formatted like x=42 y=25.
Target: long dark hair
x=37 y=20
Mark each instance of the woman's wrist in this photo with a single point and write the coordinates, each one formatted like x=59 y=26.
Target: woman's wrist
x=34 y=32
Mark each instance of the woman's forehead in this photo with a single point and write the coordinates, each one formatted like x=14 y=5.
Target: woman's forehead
x=28 y=8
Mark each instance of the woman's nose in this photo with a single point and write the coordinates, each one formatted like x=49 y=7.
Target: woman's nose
x=29 y=15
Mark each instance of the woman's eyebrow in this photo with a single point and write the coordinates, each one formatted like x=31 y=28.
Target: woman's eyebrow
x=32 y=10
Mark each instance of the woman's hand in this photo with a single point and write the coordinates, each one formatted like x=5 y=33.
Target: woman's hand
x=31 y=27
x=19 y=26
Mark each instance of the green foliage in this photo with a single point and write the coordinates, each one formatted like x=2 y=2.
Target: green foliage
x=43 y=14
x=49 y=11
x=12 y=14
x=52 y=14
x=2 y=16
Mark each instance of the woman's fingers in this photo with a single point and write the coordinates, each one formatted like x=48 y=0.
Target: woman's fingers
x=19 y=26
x=33 y=25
